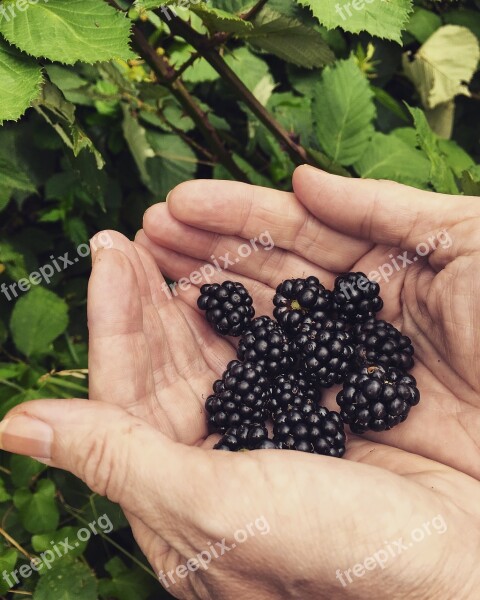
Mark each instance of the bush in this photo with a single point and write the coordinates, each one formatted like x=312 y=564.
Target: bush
x=106 y=108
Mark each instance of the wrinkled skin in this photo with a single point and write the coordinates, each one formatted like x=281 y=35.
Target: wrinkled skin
x=142 y=439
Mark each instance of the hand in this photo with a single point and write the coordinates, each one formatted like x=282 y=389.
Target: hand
x=142 y=440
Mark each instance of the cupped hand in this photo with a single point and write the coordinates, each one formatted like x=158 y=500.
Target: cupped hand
x=142 y=441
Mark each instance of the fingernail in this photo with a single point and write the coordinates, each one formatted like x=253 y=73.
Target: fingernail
x=168 y=195
x=24 y=435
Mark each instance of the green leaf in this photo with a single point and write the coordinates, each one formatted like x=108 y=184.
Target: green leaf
x=289 y=39
x=174 y=162
x=388 y=101
x=379 y=18
x=389 y=157
x=77 y=30
x=67 y=581
x=20 y=79
x=42 y=541
x=125 y=583
x=423 y=23
x=8 y=560
x=24 y=469
x=253 y=71
x=343 y=112
x=465 y=17
x=38 y=511
x=136 y=138
x=441 y=175
x=37 y=319
x=444 y=65
x=219 y=20
x=456 y=157
x=470 y=182
x=4 y=495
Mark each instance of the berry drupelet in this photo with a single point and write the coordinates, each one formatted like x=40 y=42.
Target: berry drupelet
x=326 y=355
x=310 y=429
x=380 y=343
x=356 y=298
x=377 y=399
x=243 y=437
x=228 y=306
x=266 y=344
x=297 y=298
x=241 y=396
x=286 y=388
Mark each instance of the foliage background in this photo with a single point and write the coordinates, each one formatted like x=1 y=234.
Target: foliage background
x=101 y=124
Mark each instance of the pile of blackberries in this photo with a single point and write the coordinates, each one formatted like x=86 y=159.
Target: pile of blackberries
x=319 y=338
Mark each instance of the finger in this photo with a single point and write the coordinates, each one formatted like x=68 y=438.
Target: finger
x=257 y=258
x=119 y=357
x=117 y=455
x=379 y=211
x=247 y=211
x=190 y=272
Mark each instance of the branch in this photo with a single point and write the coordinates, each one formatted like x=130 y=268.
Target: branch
x=167 y=76
x=297 y=153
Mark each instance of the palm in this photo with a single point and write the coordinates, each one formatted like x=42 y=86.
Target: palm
x=165 y=356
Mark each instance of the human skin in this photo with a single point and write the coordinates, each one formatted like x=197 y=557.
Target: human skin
x=142 y=440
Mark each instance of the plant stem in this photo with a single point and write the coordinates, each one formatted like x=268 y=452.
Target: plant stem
x=167 y=76
x=201 y=43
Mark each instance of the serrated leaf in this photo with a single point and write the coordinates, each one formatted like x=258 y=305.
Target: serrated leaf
x=343 y=112
x=20 y=79
x=458 y=160
x=444 y=65
x=289 y=39
x=37 y=319
x=382 y=18
x=441 y=175
x=67 y=32
x=216 y=19
x=470 y=182
x=389 y=157
x=67 y=581
x=254 y=73
x=38 y=510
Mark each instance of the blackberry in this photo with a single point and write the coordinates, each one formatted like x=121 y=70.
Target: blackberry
x=380 y=343
x=228 y=306
x=266 y=344
x=297 y=298
x=329 y=323
x=356 y=298
x=244 y=436
x=326 y=355
x=377 y=399
x=286 y=388
x=241 y=396
x=310 y=429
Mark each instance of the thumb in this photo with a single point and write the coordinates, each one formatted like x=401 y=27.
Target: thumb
x=114 y=453
x=383 y=212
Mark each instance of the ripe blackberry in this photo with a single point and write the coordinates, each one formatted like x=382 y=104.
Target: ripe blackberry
x=228 y=306
x=380 y=343
x=241 y=396
x=297 y=298
x=286 y=388
x=328 y=323
x=244 y=436
x=377 y=399
x=310 y=429
x=265 y=343
x=356 y=298
x=326 y=355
